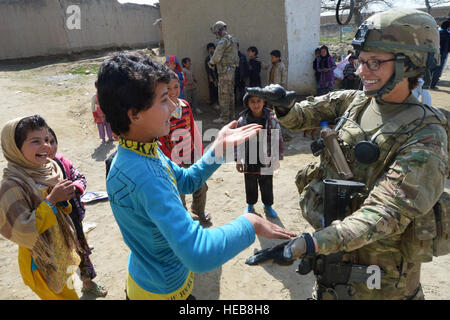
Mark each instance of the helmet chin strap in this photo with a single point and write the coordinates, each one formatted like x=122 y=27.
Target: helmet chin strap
x=395 y=79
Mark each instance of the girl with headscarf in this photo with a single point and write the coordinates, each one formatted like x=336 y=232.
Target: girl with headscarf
x=174 y=65
x=326 y=67
x=34 y=210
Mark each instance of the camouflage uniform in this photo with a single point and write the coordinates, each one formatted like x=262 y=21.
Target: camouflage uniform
x=226 y=59
x=391 y=224
x=399 y=192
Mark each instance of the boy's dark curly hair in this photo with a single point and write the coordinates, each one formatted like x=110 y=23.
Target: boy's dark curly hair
x=184 y=61
x=254 y=49
x=127 y=81
x=26 y=125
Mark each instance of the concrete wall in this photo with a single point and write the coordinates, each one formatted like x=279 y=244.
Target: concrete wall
x=31 y=28
x=260 y=23
x=303 y=32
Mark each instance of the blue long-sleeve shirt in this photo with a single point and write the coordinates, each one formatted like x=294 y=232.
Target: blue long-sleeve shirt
x=165 y=242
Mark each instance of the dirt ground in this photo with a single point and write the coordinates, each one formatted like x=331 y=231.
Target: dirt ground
x=61 y=93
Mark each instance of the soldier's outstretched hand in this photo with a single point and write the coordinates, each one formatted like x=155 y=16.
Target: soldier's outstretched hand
x=270 y=255
x=275 y=95
x=283 y=254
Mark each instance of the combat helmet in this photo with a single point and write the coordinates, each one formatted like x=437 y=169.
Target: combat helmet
x=217 y=27
x=411 y=35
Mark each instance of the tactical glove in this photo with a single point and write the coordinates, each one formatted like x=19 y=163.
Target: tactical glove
x=270 y=255
x=275 y=95
x=285 y=253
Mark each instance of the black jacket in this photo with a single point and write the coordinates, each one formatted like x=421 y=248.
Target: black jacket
x=254 y=70
x=241 y=72
x=444 y=42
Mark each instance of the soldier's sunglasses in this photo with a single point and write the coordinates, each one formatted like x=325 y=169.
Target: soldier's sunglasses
x=372 y=64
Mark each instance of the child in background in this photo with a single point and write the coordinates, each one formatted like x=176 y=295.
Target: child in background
x=99 y=119
x=326 y=67
x=317 y=78
x=240 y=77
x=351 y=80
x=174 y=65
x=34 y=210
x=87 y=272
x=278 y=71
x=190 y=89
x=213 y=78
x=316 y=66
x=166 y=245
x=278 y=75
x=183 y=145
x=254 y=67
x=259 y=172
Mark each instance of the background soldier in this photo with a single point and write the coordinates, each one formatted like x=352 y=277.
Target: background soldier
x=226 y=60
x=390 y=223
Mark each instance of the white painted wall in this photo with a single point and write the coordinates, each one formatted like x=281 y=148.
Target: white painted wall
x=303 y=33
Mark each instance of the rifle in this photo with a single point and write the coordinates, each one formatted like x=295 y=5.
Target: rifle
x=338 y=195
x=332 y=273
x=330 y=270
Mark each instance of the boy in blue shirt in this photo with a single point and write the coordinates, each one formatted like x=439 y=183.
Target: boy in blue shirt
x=166 y=244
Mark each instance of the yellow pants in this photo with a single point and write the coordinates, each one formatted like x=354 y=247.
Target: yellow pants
x=135 y=292
x=42 y=290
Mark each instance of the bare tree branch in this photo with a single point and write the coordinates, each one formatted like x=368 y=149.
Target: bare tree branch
x=330 y=5
x=430 y=4
x=361 y=6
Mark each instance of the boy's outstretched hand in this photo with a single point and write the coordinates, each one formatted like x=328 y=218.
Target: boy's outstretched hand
x=230 y=136
x=267 y=229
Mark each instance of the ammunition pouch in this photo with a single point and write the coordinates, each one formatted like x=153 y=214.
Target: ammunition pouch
x=311 y=203
x=333 y=275
x=428 y=235
x=307 y=174
x=308 y=181
x=441 y=243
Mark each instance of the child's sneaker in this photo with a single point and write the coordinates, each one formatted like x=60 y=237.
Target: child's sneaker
x=250 y=209
x=269 y=210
